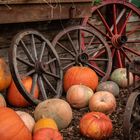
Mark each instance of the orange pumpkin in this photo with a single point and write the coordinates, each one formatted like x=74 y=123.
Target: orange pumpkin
x=96 y=125
x=12 y=127
x=45 y=123
x=77 y=75
x=15 y=98
x=78 y=96
x=2 y=101
x=47 y=134
x=5 y=75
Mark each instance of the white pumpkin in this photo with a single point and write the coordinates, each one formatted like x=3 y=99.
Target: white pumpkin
x=27 y=119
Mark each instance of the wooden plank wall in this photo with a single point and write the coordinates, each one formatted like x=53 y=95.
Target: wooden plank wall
x=49 y=29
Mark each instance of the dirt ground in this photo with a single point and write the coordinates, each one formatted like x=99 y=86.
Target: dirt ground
x=72 y=131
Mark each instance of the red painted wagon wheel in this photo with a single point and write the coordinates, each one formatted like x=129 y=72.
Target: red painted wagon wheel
x=73 y=51
x=131 y=121
x=31 y=54
x=113 y=19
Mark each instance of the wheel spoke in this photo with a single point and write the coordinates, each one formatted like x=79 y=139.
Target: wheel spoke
x=105 y=23
x=124 y=24
x=28 y=73
x=97 y=51
x=42 y=50
x=93 y=43
x=42 y=88
x=132 y=31
x=62 y=46
x=73 y=46
x=118 y=18
x=52 y=74
x=81 y=41
x=90 y=42
x=113 y=52
x=98 y=59
x=24 y=62
x=126 y=56
x=34 y=83
x=97 y=69
x=131 y=50
x=135 y=41
x=119 y=58
x=50 y=61
x=27 y=51
x=33 y=47
x=115 y=24
x=106 y=35
x=70 y=64
x=68 y=58
x=49 y=84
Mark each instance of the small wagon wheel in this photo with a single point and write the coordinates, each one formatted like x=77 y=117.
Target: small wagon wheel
x=131 y=120
x=113 y=19
x=72 y=50
x=31 y=54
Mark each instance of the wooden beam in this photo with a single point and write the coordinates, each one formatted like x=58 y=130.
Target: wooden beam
x=42 y=1
x=42 y=12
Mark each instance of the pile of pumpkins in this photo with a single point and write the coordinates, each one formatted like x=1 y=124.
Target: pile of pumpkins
x=82 y=89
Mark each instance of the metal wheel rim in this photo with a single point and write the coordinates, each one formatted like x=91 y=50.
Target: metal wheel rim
x=128 y=114
x=93 y=32
x=13 y=62
x=124 y=49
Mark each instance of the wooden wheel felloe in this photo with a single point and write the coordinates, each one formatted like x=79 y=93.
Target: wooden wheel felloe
x=119 y=23
x=80 y=45
x=31 y=54
x=131 y=121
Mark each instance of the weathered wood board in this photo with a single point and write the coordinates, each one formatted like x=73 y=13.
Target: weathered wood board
x=42 y=1
x=15 y=11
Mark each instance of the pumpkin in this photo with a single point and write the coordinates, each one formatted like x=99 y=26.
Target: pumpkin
x=120 y=77
x=27 y=119
x=77 y=75
x=57 y=109
x=102 y=101
x=15 y=98
x=45 y=123
x=47 y=134
x=12 y=127
x=5 y=75
x=96 y=125
x=109 y=86
x=2 y=101
x=78 y=96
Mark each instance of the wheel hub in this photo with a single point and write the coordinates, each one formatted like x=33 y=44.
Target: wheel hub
x=83 y=58
x=39 y=67
x=118 y=40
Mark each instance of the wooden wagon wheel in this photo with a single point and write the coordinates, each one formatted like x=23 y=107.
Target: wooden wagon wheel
x=131 y=121
x=113 y=19
x=72 y=50
x=31 y=54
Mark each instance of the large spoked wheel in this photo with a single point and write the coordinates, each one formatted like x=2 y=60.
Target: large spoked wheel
x=80 y=45
x=119 y=23
x=131 y=122
x=31 y=54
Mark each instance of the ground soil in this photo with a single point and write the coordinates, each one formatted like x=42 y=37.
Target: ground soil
x=72 y=131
